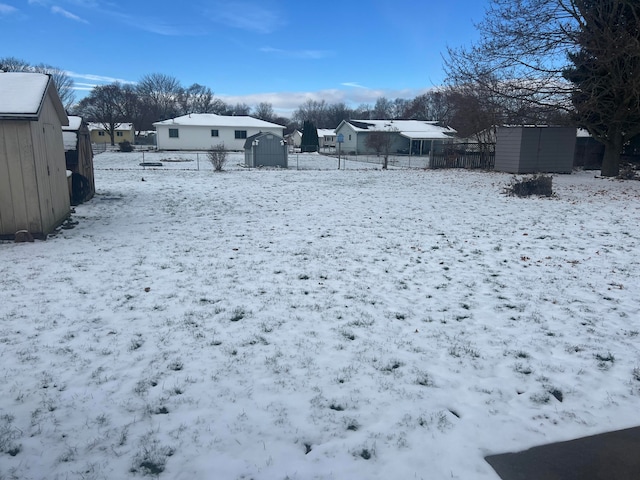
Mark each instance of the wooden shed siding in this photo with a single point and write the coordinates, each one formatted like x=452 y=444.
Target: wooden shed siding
x=19 y=207
x=36 y=181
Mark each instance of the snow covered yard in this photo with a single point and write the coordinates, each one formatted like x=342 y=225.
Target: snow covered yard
x=307 y=324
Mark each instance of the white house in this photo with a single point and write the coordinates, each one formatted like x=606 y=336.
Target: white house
x=326 y=138
x=415 y=137
x=294 y=139
x=200 y=131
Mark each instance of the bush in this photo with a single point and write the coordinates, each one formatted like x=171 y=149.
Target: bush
x=627 y=172
x=217 y=156
x=536 y=185
x=125 y=146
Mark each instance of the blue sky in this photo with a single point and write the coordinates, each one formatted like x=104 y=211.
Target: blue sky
x=279 y=51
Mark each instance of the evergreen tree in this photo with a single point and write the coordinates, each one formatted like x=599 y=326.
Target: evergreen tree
x=309 y=142
x=606 y=73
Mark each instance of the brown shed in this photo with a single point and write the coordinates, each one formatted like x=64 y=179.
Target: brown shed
x=79 y=157
x=34 y=192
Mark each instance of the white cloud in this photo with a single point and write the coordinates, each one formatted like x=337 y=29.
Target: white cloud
x=61 y=11
x=246 y=16
x=300 y=54
x=285 y=103
x=7 y=9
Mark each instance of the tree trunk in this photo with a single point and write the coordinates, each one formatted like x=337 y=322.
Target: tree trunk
x=611 y=159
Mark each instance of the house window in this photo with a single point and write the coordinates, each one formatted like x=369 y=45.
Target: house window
x=173 y=133
x=349 y=136
x=100 y=133
x=119 y=134
x=215 y=133
x=241 y=134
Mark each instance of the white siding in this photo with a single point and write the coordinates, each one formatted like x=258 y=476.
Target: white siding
x=192 y=137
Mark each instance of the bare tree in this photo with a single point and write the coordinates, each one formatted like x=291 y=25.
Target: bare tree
x=217 y=155
x=160 y=94
x=197 y=99
x=381 y=141
x=264 y=111
x=105 y=105
x=384 y=109
x=315 y=112
x=64 y=84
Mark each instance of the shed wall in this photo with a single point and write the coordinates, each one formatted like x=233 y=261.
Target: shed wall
x=34 y=192
x=508 y=144
x=269 y=152
x=535 y=149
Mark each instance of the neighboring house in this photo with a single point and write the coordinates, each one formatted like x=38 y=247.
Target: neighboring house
x=294 y=139
x=535 y=149
x=201 y=131
x=413 y=137
x=34 y=190
x=79 y=158
x=265 y=150
x=123 y=132
x=326 y=138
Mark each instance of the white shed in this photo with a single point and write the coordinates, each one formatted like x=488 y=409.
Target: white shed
x=201 y=131
x=34 y=191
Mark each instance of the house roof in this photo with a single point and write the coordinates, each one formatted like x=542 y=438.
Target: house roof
x=213 y=120
x=413 y=129
x=22 y=95
x=74 y=123
x=326 y=132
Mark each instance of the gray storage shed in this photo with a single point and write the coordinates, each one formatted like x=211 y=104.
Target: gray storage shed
x=535 y=149
x=34 y=191
x=265 y=149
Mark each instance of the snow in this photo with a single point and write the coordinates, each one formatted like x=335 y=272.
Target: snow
x=213 y=120
x=21 y=93
x=316 y=323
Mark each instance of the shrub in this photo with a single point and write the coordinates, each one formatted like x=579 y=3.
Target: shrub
x=217 y=156
x=536 y=185
x=627 y=172
x=125 y=146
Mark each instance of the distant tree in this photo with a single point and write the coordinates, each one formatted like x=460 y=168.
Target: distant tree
x=381 y=141
x=313 y=111
x=605 y=70
x=264 y=111
x=105 y=106
x=336 y=113
x=160 y=95
x=309 y=141
x=64 y=84
x=384 y=109
x=400 y=107
x=239 y=109
x=196 y=99
x=363 y=112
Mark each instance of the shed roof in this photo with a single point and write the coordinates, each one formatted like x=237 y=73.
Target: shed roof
x=74 y=123
x=249 y=141
x=413 y=129
x=22 y=95
x=213 y=120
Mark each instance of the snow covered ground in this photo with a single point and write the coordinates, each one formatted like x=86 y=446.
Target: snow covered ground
x=316 y=323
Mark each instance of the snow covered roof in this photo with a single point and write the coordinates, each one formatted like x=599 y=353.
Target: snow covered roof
x=22 y=95
x=213 y=120
x=326 y=132
x=415 y=129
x=74 y=123
x=119 y=126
